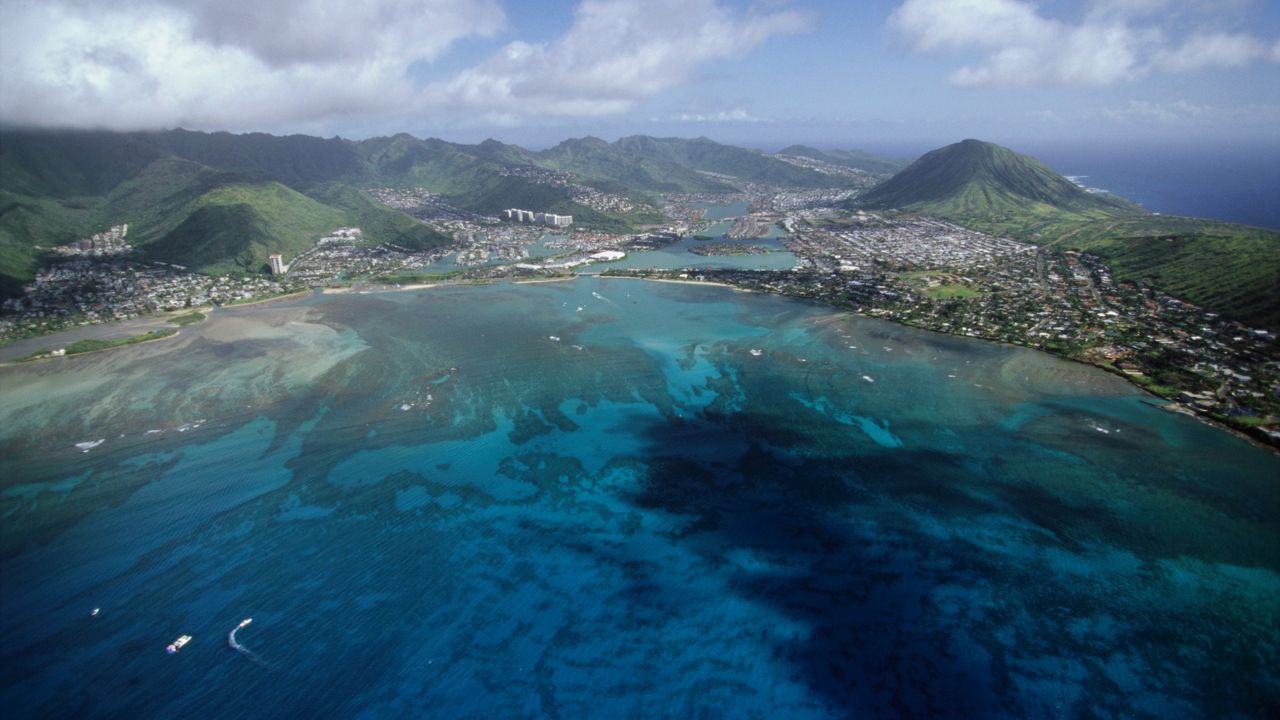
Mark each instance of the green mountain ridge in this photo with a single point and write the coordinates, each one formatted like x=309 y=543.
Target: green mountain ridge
x=854 y=159
x=172 y=187
x=235 y=226
x=977 y=180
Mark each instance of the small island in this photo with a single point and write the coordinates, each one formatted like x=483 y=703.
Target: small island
x=711 y=249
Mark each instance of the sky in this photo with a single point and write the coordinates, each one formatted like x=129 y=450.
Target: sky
x=885 y=74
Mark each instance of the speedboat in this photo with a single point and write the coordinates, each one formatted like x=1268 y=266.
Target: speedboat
x=178 y=644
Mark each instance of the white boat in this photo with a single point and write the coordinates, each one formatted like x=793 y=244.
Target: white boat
x=756 y=352
x=868 y=378
x=88 y=445
x=244 y=622
x=178 y=644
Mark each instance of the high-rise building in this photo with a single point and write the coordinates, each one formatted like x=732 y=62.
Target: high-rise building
x=543 y=218
x=277 y=264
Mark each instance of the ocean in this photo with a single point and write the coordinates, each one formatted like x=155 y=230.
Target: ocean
x=617 y=498
x=1236 y=183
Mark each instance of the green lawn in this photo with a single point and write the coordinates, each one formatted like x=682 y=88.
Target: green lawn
x=951 y=292
x=188 y=319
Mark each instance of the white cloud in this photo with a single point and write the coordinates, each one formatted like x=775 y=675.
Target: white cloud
x=1113 y=42
x=1214 y=50
x=312 y=64
x=735 y=115
x=339 y=31
x=1185 y=114
x=615 y=53
x=220 y=63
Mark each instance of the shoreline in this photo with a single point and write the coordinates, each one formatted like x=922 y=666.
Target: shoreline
x=539 y=281
x=688 y=282
x=1166 y=404
x=264 y=301
x=100 y=331
x=42 y=358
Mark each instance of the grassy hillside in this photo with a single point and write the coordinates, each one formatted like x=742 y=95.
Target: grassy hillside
x=675 y=164
x=51 y=187
x=436 y=165
x=70 y=164
x=597 y=160
x=26 y=222
x=234 y=227
x=379 y=223
x=1228 y=268
x=981 y=182
x=294 y=160
x=856 y=159
x=702 y=154
x=211 y=202
x=173 y=188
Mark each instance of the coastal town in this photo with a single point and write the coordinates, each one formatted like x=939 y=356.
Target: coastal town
x=915 y=270
x=1065 y=303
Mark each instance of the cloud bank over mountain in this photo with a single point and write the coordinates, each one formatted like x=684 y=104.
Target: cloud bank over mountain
x=244 y=64
x=749 y=71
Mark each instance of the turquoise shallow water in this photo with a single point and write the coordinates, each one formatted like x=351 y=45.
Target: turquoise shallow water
x=678 y=500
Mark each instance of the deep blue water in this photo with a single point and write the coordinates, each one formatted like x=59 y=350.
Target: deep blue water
x=675 y=501
x=1223 y=182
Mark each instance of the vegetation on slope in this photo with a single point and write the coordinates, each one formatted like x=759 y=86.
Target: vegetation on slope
x=855 y=159
x=294 y=160
x=174 y=188
x=234 y=227
x=379 y=223
x=979 y=181
x=1227 y=268
x=675 y=164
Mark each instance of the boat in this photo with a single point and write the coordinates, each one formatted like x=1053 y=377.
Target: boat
x=178 y=644
x=244 y=622
x=94 y=612
x=756 y=352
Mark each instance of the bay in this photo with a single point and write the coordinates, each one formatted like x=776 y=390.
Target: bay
x=609 y=497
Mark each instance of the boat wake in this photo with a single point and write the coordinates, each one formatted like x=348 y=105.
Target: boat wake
x=231 y=641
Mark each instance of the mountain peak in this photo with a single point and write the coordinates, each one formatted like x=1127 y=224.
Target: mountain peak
x=975 y=178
